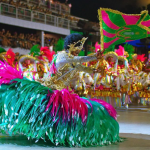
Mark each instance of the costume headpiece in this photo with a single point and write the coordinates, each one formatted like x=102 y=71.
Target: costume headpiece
x=120 y=51
x=77 y=45
x=141 y=57
x=134 y=56
x=122 y=58
x=2 y=50
x=125 y=61
x=10 y=56
x=2 y=54
x=44 y=51
x=111 y=54
x=35 y=50
x=97 y=47
x=74 y=42
x=27 y=57
x=129 y=48
x=1 y=58
x=110 y=49
x=114 y=56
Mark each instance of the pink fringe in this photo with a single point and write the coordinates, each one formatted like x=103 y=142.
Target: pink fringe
x=8 y=73
x=111 y=110
x=69 y=105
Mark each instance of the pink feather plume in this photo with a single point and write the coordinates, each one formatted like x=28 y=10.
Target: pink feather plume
x=112 y=112
x=70 y=105
x=97 y=47
x=8 y=73
x=120 y=51
x=142 y=57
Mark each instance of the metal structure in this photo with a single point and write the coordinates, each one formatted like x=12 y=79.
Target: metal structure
x=53 y=6
x=35 y=16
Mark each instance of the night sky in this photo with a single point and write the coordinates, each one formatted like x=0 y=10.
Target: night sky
x=88 y=8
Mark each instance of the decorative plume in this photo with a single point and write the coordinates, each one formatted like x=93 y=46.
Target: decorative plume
x=120 y=51
x=2 y=50
x=46 y=52
x=35 y=50
x=141 y=57
x=10 y=56
x=112 y=112
x=129 y=48
x=97 y=47
x=8 y=73
x=59 y=46
x=70 y=104
x=110 y=49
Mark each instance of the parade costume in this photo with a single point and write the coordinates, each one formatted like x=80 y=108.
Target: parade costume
x=105 y=87
x=27 y=64
x=49 y=110
x=114 y=84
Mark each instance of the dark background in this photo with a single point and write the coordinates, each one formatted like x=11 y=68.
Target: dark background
x=88 y=8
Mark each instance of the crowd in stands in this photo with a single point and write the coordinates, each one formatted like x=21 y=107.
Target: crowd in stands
x=49 y=41
x=26 y=41
x=38 y=5
x=14 y=39
x=44 y=7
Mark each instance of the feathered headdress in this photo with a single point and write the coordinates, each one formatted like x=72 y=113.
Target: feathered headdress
x=2 y=50
x=141 y=57
x=10 y=56
x=97 y=47
x=120 y=51
x=35 y=50
x=44 y=51
x=125 y=61
x=129 y=48
x=59 y=46
x=110 y=49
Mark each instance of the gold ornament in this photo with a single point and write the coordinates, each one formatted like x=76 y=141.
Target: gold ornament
x=73 y=48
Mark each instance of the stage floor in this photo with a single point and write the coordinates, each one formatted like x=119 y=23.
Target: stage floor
x=134 y=126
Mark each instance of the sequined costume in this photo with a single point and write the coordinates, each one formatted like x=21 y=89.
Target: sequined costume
x=27 y=64
x=105 y=87
x=66 y=68
x=59 y=115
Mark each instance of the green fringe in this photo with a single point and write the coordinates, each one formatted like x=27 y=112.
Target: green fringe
x=22 y=109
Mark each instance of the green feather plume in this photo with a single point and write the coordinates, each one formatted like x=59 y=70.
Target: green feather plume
x=129 y=48
x=35 y=50
x=110 y=49
x=59 y=46
x=2 y=50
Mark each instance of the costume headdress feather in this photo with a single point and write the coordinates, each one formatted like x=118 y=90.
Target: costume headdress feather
x=129 y=48
x=46 y=52
x=2 y=50
x=141 y=57
x=10 y=56
x=35 y=50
